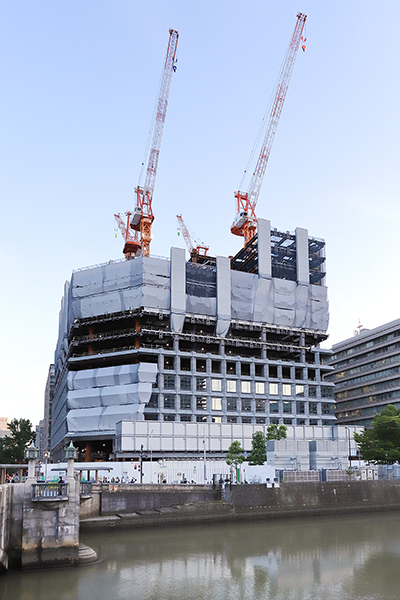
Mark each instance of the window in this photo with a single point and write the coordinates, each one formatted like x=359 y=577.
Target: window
x=312 y=391
x=274 y=421
x=273 y=371
x=273 y=389
x=231 y=368
x=301 y=408
x=246 y=387
x=201 y=384
x=326 y=392
x=216 y=366
x=327 y=409
x=200 y=365
x=246 y=419
x=201 y=419
x=260 y=387
x=231 y=419
x=260 y=421
x=274 y=407
x=298 y=373
x=231 y=404
x=185 y=418
x=216 y=385
x=312 y=408
x=185 y=402
x=201 y=403
x=285 y=372
x=216 y=404
x=153 y=402
x=231 y=385
x=287 y=407
x=185 y=364
x=150 y=417
x=169 y=362
x=260 y=405
x=286 y=390
x=246 y=405
x=313 y=421
x=169 y=417
x=299 y=390
x=186 y=382
x=216 y=419
x=287 y=421
x=245 y=369
x=259 y=370
x=301 y=421
x=169 y=401
x=169 y=382
x=311 y=374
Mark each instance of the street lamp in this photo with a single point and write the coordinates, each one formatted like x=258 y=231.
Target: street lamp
x=46 y=456
x=31 y=453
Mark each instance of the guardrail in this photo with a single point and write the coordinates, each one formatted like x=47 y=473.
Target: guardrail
x=50 y=491
x=85 y=489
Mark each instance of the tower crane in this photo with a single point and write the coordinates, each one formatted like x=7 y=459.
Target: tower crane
x=131 y=238
x=195 y=248
x=143 y=216
x=246 y=221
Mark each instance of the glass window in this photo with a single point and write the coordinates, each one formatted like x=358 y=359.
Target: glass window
x=185 y=402
x=200 y=365
x=169 y=417
x=260 y=387
x=231 y=385
x=246 y=405
x=260 y=421
x=274 y=407
x=216 y=419
x=287 y=407
x=245 y=369
x=260 y=405
x=201 y=419
x=327 y=409
x=201 y=403
x=287 y=421
x=312 y=391
x=313 y=421
x=273 y=389
x=201 y=383
x=259 y=370
x=246 y=419
x=185 y=418
x=231 y=419
x=274 y=421
x=169 y=401
x=301 y=408
x=169 y=362
x=286 y=389
x=216 y=403
x=150 y=417
x=326 y=392
x=186 y=382
x=216 y=366
x=246 y=387
x=312 y=408
x=169 y=382
x=300 y=390
x=231 y=404
x=216 y=385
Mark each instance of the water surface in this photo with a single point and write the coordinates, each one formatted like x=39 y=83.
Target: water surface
x=346 y=558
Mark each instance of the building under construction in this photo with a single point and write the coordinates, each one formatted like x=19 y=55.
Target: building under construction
x=221 y=340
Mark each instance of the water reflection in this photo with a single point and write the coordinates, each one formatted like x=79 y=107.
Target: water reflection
x=320 y=559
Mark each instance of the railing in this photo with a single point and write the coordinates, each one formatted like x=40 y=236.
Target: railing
x=85 y=489
x=50 y=491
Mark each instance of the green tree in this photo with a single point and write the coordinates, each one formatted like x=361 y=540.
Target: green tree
x=12 y=446
x=235 y=455
x=380 y=444
x=258 y=454
x=275 y=432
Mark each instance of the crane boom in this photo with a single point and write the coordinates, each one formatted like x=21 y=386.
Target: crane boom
x=245 y=223
x=131 y=239
x=195 y=248
x=143 y=216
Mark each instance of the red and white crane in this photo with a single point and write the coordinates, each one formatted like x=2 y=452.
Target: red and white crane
x=245 y=223
x=195 y=247
x=142 y=218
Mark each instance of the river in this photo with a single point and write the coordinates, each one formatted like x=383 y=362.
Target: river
x=337 y=558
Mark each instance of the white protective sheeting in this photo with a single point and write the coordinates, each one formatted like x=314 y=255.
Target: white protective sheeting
x=223 y=296
x=108 y=376
x=134 y=393
x=178 y=289
x=102 y=419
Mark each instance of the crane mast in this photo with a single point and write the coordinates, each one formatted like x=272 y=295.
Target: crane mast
x=143 y=216
x=246 y=221
x=195 y=249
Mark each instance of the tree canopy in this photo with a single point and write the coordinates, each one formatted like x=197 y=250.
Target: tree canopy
x=258 y=454
x=276 y=432
x=12 y=446
x=380 y=444
x=235 y=455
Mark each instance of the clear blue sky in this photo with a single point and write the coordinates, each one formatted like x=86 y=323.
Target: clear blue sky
x=78 y=86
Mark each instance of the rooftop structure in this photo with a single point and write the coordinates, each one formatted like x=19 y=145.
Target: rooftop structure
x=367 y=373
x=222 y=340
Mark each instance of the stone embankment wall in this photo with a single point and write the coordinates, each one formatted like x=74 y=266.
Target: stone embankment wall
x=154 y=506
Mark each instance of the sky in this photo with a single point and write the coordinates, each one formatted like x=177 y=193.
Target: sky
x=79 y=81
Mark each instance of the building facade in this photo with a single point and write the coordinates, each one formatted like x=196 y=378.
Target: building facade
x=366 y=374
x=48 y=404
x=212 y=340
